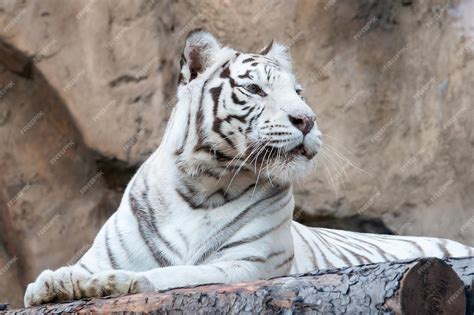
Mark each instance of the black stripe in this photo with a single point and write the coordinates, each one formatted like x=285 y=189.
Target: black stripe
x=276 y=209
x=152 y=218
x=331 y=249
x=210 y=173
x=443 y=248
x=386 y=242
x=249 y=127
x=359 y=258
x=220 y=269
x=245 y=75
x=225 y=74
x=215 y=94
x=187 y=199
x=322 y=252
x=270 y=61
x=233 y=225
x=200 y=115
x=241 y=215
x=150 y=211
x=285 y=262
x=236 y=100
x=189 y=194
x=216 y=126
x=275 y=254
x=80 y=264
x=221 y=191
x=413 y=243
x=254 y=259
x=205 y=172
x=142 y=225
x=199 y=121
x=244 y=91
x=183 y=238
x=253 y=238
x=267 y=71
x=81 y=291
x=232 y=168
x=354 y=243
x=216 y=154
x=112 y=260
x=120 y=237
x=315 y=261
x=226 y=196
x=385 y=255
x=240 y=118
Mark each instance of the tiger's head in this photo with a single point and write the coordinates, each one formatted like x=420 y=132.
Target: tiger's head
x=245 y=111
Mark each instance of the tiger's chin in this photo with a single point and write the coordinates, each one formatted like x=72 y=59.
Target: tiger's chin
x=291 y=170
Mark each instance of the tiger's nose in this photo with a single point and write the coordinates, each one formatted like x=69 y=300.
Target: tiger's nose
x=302 y=122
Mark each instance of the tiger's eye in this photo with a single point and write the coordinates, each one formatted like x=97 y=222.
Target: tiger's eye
x=255 y=89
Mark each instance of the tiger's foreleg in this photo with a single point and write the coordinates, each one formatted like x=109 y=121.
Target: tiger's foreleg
x=218 y=272
x=178 y=276
x=69 y=283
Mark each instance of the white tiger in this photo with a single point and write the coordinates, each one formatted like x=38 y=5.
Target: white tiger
x=214 y=203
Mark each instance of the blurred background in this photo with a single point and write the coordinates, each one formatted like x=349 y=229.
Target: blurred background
x=86 y=88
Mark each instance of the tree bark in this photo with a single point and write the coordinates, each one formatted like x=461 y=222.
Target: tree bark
x=424 y=286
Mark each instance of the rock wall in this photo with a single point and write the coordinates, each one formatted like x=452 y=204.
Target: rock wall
x=86 y=88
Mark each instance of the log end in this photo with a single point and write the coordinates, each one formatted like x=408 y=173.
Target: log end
x=430 y=286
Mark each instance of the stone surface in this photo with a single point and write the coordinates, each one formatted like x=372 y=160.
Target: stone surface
x=86 y=89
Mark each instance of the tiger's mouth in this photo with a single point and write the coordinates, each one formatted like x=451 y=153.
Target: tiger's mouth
x=271 y=153
x=301 y=150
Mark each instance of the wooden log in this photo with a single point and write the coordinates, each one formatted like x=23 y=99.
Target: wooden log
x=425 y=286
x=464 y=267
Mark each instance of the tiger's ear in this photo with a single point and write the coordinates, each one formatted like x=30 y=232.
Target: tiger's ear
x=267 y=49
x=200 y=50
x=279 y=52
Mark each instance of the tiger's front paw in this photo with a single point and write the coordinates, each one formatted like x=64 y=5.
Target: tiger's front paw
x=51 y=286
x=117 y=282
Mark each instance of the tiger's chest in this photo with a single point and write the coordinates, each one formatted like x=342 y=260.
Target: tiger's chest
x=179 y=234
x=198 y=234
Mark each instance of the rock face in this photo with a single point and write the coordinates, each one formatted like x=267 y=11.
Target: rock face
x=86 y=89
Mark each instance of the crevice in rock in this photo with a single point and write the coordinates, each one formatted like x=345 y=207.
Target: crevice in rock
x=116 y=173
x=126 y=78
x=15 y=61
x=356 y=223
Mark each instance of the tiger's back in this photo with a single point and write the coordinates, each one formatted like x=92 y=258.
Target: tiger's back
x=321 y=248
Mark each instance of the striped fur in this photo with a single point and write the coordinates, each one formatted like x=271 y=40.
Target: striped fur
x=214 y=203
